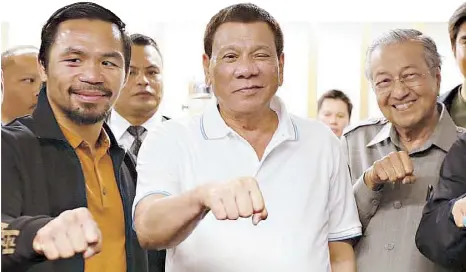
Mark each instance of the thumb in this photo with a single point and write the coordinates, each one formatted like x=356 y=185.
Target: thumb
x=90 y=251
x=409 y=179
x=257 y=217
x=37 y=246
x=371 y=177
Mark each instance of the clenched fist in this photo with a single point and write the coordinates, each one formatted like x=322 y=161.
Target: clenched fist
x=237 y=198
x=395 y=167
x=459 y=212
x=72 y=232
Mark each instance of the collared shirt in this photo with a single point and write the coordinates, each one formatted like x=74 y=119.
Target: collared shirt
x=302 y=175
x=391 y=216
x=119 y=126
x=103 y=201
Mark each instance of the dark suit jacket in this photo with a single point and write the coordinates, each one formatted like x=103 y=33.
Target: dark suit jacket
x=41 y=178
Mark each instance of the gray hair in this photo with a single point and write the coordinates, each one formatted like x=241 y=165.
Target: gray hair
x=394 y=36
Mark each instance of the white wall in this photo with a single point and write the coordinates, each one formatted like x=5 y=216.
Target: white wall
x=338 y=37
x=339 y=60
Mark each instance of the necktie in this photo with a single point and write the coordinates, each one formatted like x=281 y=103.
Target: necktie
x=136 y=132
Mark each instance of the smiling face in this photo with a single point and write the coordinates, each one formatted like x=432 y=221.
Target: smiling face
x=406 y=104
x=85 y=70
x=244 y=70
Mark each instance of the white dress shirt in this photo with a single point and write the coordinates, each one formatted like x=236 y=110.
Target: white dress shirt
x=120 y=125
x=303 y=176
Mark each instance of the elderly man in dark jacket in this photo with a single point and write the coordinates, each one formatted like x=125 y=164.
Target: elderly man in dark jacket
x=67 y=187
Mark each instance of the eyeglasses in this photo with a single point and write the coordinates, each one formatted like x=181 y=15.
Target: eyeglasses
x=409 y=80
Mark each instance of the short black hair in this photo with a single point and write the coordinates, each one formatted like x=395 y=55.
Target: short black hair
x=143 y=40
x=242 y=13
x=336 y=94
x=455 y=22
x=80 y=10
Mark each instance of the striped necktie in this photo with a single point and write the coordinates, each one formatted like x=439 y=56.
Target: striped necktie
x=136 y=132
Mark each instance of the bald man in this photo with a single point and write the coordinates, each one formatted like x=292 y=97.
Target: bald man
x=21 y=82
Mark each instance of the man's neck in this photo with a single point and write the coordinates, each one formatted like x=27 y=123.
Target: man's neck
x=463 y=90
x=89 y=133
x=5 y=118
x=137 y=119
x=265 y=120
x=10 y=111
x=417 y=136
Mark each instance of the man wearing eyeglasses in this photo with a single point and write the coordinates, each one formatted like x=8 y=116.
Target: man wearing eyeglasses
x=394 y=161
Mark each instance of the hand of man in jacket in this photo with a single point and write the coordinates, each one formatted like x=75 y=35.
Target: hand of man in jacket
x=72 y=232
x=459 y=212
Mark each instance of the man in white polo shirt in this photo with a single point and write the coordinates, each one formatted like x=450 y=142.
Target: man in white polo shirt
x=203 y=180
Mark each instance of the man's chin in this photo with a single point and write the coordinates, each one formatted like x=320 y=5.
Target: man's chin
x=86 y=118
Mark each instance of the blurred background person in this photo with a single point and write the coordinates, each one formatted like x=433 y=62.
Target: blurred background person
x=334 y=109
x=21 y=82
x=455 y=99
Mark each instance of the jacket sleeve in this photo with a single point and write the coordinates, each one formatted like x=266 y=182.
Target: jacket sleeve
x=18 y=231
x=437 y=237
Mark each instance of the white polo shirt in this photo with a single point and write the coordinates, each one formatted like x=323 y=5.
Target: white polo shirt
x=303 y=177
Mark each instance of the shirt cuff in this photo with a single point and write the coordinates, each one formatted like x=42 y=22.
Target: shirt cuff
x=137 y=199
x=345 y=235
x=367 y=200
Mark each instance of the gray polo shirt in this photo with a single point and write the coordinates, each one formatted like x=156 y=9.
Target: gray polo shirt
x=390 y=217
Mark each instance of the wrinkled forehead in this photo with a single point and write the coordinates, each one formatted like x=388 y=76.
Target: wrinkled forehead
x=395 y=57
x=238 y=35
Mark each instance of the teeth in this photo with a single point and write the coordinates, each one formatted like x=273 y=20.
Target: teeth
x=404 y=106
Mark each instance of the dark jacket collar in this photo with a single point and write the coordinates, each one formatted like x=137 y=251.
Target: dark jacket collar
x=447 y=98
x=46 y=125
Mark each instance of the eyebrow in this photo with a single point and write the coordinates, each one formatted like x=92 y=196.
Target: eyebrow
x=76 y=51
x=71 y=50
x=147 y=67
x=114 y=55
x=402 y=70
x=152 y=67
x=263 y=47
x=233 y=47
